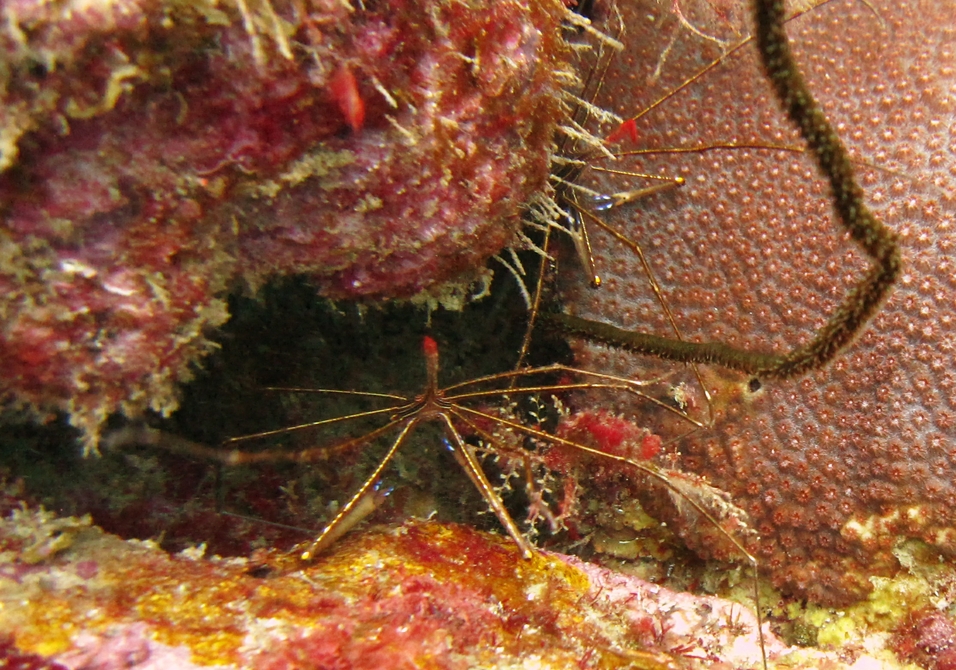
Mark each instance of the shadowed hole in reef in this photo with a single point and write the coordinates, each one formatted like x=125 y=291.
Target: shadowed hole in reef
x=290 y=337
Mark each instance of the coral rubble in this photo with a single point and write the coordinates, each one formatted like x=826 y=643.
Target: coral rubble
x=153 y=152
x=838 y=468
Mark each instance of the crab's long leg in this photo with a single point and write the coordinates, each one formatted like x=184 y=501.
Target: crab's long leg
x=519 y=390
x=535 y=301
x=330 y=533
x=546 y=369
x=465 y=455
x=146 y=436
x=237 y=456
x=311 y=424
x=556 y=388
x=364 y=506
x=354 y=394
x=604 y=202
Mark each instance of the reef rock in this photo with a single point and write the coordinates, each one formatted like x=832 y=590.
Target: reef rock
x=153 y=153
x=419 y=595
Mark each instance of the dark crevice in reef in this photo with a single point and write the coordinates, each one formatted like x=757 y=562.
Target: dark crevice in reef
x=287 y=336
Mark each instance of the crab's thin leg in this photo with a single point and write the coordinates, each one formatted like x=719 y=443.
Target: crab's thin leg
x=746 y=146
x=582 y=244
x=605 y=202
x=716 y=146
x=144 y=435
x=581 y=387
x=237 y=456
x=465 y=455
x=330 y=533
x=524 y=390
x=614 y=383
x=364 y=506
x=355 y=394
x=312 y=424
x=576 y=230
x=535 y=301
x=544 y=369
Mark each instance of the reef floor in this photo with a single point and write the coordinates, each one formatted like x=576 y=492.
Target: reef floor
x=417 y=595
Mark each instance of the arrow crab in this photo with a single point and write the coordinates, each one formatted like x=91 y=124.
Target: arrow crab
x=527 y=448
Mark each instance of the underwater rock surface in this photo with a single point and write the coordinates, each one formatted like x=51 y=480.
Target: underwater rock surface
x=418 y=595
x=154 y=154
x=839 y=468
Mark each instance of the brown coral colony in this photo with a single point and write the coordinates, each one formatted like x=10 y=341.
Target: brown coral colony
x=838 y=467
x=877 y=240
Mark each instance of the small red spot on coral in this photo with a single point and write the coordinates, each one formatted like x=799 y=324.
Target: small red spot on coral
x=607 y=434
x=87 y=569
x=429 y=346
x=345 y=91
x=602 y=429
x=627 y=129
x=650 y=446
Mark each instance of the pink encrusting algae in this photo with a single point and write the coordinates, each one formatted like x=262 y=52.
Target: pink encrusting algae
x=836 y=470
x=153 y=153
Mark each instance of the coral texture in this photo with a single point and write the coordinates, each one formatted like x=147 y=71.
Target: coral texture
x=420 y=595
x=928 y=638
x=153 y=152
x=837 y=468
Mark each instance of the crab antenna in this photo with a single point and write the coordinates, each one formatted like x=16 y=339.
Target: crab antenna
x=430 y=347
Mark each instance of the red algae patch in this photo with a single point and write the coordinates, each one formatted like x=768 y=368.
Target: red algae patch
x=418 y=595
x=154 y=153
